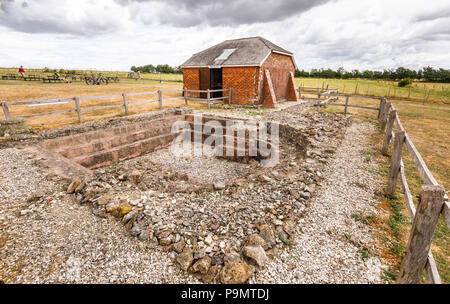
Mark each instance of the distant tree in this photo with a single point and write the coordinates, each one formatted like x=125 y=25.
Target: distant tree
x=405 y=82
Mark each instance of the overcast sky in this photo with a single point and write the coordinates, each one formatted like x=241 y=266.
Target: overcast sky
x=116 y=34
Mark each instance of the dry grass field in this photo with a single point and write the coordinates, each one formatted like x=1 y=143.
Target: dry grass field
x=17 y=90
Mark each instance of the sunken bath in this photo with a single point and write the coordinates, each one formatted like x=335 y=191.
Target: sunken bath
x=230 y=139
x=219 y=218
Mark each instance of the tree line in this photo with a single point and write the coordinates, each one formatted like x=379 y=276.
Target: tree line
x=427 y=74
x=160 y=68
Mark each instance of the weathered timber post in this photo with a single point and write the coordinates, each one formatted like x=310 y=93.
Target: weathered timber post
x=299 y=91
x=384 y=117
x=389 y=92
x=185 y=92
x=346 y=104
x=318 y=93
x=318 y=103
x=77 y=104
x=380 y=110
x=208 y=96
x=388 y=136
x=6 y=110
x=229 y=95
x=323 y=85
x=160 y=99
x=421 y=235
x=125 y=103
x=356 y=89
x=395 y=162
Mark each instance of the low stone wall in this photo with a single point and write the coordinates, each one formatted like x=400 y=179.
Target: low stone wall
x=12 y=127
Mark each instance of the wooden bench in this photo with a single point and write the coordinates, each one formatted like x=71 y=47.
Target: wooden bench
x=50 y=79
x=11 y=77
x=32 y=78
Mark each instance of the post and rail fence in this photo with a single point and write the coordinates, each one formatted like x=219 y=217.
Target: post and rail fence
x=125 y=104
x=433 y=201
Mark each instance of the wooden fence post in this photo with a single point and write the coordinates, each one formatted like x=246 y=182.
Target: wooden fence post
x=395 y=162
x=390 y=127
x=389 y=92
x=160 y=99
x=6 y=110
x=421 y=235
x=77 y=104
x=384 y=116
x=230 y=95
x=185 y=96
x=318 y=104
x=208 y=96
x=380 y=110
x=346 y=104
x=125 y=103
x=356 y=89
x=299 y=91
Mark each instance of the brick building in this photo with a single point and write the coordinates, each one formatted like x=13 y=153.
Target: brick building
x=258 y=71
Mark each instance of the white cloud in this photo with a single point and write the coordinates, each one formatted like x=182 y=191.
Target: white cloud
x=109 y=34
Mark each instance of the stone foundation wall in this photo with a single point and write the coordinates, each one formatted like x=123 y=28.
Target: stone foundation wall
x=12 y=127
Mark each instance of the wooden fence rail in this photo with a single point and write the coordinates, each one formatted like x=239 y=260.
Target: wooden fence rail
x=125 y=104
x=433 y=200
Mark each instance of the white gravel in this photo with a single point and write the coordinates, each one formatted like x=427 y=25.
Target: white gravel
x=205 y=169
x=60 y=241
x=327 y=249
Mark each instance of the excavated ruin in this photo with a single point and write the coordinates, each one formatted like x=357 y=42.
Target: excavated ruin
x=219 y=218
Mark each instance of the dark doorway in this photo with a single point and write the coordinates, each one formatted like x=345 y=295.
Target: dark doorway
x=204 y=77
x=216 y=82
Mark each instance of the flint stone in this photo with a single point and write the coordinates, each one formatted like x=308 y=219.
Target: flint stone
x=256 y=253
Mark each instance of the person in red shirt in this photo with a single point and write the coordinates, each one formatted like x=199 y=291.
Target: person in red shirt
x=22 y=71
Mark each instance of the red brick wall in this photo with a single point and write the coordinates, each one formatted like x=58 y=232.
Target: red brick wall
x=191 y=80
x=279 y=67
x=243 y=80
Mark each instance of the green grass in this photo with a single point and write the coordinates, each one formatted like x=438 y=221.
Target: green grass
x=363 y=218
x=388 y=275
x=364 y=253
x=439 y=92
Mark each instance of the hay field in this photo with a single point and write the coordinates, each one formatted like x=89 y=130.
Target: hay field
x=18 y=90
x=438 y=92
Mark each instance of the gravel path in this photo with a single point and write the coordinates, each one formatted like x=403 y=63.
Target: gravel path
x=53 y=239
x=333 y=236
x=204 y=169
